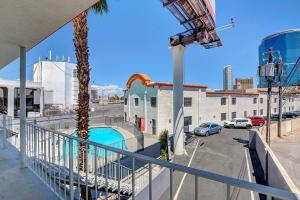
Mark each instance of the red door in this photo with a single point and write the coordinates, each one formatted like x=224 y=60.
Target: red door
x=142 y=127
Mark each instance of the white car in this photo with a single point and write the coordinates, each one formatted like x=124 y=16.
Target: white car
x=238 y=123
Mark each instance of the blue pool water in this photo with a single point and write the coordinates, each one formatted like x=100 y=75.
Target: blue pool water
x=102 y=135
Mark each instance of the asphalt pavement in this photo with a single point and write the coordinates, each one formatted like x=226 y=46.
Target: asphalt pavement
x=223 y=153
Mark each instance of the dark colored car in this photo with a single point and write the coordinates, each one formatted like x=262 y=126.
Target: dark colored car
x=257 y=120
x=297 y=113
x=275 y=117
x=289 y=115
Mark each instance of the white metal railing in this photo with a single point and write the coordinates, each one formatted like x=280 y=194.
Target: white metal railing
x=53 y=157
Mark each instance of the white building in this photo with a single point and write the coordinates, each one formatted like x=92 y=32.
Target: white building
x=149 y=104
x=228 y=78
x=10 y=98
x=60 y=82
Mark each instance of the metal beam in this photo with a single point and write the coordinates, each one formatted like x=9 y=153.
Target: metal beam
x=192 y=20
x=170 y=3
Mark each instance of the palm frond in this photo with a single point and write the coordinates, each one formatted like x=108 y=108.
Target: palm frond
x=100 y=7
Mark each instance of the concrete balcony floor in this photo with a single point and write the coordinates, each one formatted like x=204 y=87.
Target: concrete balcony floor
x=16 y=183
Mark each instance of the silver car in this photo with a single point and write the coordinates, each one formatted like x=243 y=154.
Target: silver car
x=207 y=129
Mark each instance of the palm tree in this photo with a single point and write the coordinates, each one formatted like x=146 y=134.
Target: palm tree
x=83 y=73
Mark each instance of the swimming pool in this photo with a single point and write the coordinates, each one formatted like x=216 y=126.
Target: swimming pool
x=102 y=135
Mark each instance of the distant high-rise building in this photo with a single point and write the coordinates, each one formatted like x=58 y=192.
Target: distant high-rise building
x=243 y=83
x=228 y=78
x=285 y=44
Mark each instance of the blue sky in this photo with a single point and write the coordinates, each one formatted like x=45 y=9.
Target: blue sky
x=134 y=38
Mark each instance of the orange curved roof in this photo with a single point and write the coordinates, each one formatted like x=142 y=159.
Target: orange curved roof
x=147 y=82
x=142 y=77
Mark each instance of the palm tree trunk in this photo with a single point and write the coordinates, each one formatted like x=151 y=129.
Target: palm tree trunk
x=83 y=74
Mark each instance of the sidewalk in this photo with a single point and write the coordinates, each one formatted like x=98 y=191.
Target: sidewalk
x=16 y=183
x=287 y=151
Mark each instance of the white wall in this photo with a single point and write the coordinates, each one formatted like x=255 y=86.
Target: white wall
x=205 y=107
x=57 y=78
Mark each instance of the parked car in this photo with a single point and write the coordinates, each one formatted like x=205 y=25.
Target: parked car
x=257 y=120
x=207 y=129
x=297 y=113
x=275 y=117
x=238 y=123
x=289 y=115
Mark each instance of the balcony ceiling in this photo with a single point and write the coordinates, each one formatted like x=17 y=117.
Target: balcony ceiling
x=27 y=22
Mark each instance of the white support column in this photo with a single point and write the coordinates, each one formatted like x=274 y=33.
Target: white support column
x=129 y=107
x=10 y=101
x=178 y=117
x=41 y=101
x=22 y=105
x=145 y=112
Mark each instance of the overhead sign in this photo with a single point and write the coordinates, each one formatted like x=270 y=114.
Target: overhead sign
x=211 y=7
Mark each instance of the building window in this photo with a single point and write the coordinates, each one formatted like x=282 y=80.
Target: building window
x=245 y=113
x=254 y=112
x=223 y=101
x=153 y=101
x=188 y=121
x=74 y=73
x=136 y=101
x=125 y=101
x=125 y=116
x=233 y=101
x=187 y=101
x=292 y=107
x=261 y=111
x=254 y=100
x=275 y=100
x=223 y=116
x=261 y=100
x=289 y=108
x=275 y=110
x=233 y=115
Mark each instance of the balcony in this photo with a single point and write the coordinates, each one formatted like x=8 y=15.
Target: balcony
x=52 y=161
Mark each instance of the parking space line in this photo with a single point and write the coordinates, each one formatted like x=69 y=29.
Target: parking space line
x=189 y=164
x=249 y=174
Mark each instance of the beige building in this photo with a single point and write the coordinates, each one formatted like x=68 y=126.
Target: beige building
x=243 y=83
x=150 y=104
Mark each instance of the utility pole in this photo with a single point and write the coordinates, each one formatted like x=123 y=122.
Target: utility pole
x=279 y=73
x=270 y=70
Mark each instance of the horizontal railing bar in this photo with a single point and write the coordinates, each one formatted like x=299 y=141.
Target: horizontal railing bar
x=275 y=192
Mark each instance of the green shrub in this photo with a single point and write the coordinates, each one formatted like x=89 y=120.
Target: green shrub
x=163 y=140
x=66 y=126
x=51 y=126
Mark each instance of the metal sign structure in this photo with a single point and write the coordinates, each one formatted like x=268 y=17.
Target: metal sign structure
x=198 y=18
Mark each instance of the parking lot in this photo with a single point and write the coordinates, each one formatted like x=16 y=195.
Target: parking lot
x=225 y=153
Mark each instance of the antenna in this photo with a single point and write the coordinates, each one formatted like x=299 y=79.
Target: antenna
x=228 y=26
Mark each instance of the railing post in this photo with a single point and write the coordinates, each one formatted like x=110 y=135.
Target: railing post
x=133 y=179
x=150 y=181
x=196 y=187
x=228 y=192
x=35 y=142
x=171 y=184
x=71 y=175
x=4 y=131
x=119 y=176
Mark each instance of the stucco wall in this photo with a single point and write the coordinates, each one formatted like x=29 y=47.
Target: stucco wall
x=277 y=177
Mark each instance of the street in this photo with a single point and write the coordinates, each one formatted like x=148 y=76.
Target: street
x=226 y=154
